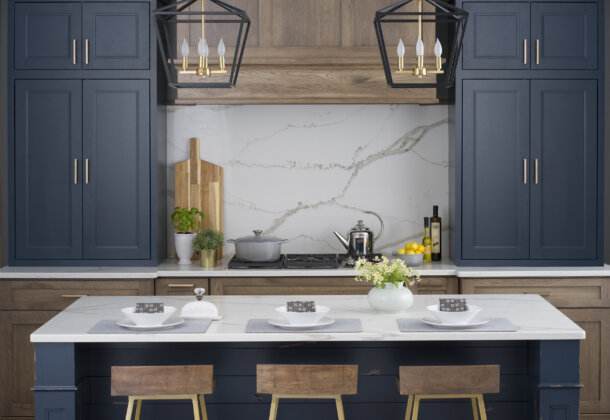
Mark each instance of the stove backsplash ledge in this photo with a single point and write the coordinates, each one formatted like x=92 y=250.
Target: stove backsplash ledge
x=302 y=171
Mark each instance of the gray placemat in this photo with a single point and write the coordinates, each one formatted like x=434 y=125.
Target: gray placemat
x=417 y=325
x=341 y=325
x=190 y=326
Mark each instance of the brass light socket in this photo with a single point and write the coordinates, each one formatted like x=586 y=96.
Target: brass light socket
x=185 y=63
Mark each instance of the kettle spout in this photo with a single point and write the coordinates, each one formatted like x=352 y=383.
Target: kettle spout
x=342 y=239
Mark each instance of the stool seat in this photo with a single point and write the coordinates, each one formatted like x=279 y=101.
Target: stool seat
x=434 y=382
x=306 y=381
x=141 y=383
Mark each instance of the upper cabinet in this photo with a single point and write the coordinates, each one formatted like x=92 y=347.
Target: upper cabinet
x=508 y=36
x=69 y=36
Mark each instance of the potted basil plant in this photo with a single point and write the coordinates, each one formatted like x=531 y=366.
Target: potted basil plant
x=208 y=242
x=185 y=222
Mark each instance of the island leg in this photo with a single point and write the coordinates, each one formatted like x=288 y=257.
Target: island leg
x=555 y=370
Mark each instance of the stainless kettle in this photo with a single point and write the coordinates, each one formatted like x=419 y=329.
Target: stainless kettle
x=360 y=239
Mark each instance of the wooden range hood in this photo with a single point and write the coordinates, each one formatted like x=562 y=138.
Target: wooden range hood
x=313 y=52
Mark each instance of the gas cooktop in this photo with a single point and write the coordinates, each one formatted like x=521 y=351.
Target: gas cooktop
x=302 y=261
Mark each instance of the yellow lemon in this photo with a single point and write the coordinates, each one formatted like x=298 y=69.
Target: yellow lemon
x=410 y=252
x=420 y=248
x=413 y=246
x=400 y=251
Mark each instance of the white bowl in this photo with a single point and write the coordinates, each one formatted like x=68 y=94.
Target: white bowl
x=148 y=320
x=411 y=260
x=303 y=318
x=457 y=318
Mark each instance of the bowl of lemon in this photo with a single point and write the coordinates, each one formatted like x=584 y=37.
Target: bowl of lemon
x=412 y=254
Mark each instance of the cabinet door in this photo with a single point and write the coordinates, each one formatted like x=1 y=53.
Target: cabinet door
x=116 y=150
x=496 y=36
x=116 y=35
x=495 y=182
x=17 y=361
x=594 y=358
x=566 y=34
x=47 y=35
x=48 y=184
x=564 y=188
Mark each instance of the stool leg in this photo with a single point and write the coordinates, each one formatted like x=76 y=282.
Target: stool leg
x=416 y=407
x=482 y=412
x=340 y=413
x=274 y=404
x=475 y=412
x=138 y=409
x=204 y=410
x=129 y=408
x=195 y=407
x=409 y=408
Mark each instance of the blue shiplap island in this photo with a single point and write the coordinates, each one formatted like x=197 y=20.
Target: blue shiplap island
x=539 y=362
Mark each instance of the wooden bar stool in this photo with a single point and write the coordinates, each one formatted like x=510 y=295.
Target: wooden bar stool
x=435 y=382
x=141 y=383
x=307 y=381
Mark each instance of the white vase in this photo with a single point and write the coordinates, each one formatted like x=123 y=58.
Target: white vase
x=184 y=247
x=390 y=299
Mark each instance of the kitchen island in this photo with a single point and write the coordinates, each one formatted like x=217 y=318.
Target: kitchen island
x=539 y=361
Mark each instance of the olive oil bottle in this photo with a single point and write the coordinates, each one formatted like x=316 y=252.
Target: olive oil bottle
x=435 y=234
x=427 y=242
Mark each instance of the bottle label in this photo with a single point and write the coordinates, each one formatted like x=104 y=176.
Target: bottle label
x=435 y=235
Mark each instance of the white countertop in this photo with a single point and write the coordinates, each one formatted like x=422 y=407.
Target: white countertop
x=171 y=269
x=535 y=318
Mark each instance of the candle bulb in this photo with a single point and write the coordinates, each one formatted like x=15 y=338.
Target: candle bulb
x=185 y=55
x=400 y=50
x=419 y=71
x=221 y=54
x=203 y=50
x=438 y=52
x=419 y=48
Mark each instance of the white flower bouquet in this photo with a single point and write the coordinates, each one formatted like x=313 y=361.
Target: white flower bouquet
x=385 y=271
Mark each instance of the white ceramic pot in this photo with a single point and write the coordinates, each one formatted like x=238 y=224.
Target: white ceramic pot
x=390 y=299
x=184 y=247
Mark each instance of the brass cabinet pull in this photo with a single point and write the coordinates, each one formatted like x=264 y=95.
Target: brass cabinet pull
x=87 y=51
x=75 y=171
x=536 y=171
x=537 y=51
x=87 y=171
x=180 y=285
x=74 y=51
x=525 y=171
x=524 y=50
x=73 y=296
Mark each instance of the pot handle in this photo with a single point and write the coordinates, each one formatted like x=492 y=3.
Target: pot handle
x=380 y=221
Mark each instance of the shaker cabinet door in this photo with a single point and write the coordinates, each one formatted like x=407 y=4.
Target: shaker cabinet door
x=564 y=190
x=47 y=35
x=116 y=151
x=48 y=180
x=564 y=35
x=116 y=35
x=495 y=178
x=496 y=36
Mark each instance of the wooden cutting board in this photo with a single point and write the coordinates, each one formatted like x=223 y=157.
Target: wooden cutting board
x=199 y=184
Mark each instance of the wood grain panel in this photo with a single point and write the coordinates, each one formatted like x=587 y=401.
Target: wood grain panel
x=307 y=379
x=312 y=23
x=436 y=380
x=161 y=380
x=176 y=286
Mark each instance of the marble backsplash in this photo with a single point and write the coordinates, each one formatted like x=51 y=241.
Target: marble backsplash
x=302 y=171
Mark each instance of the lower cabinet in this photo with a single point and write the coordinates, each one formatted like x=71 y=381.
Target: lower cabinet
x=176 y=286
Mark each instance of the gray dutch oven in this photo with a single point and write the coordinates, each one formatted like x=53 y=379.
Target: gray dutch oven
x=257 y=248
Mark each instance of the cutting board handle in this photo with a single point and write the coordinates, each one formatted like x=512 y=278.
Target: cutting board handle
x=195 y=162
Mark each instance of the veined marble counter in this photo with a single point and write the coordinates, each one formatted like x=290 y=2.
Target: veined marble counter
x=535 y=318
x=171 y=269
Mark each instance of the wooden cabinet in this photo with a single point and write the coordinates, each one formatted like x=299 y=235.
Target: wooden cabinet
x=176 y=286
x=317 y=286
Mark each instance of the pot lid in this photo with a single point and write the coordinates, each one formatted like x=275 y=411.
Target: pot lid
x=360 y=227
x=257 y=238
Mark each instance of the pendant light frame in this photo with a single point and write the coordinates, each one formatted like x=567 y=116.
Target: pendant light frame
x=444 y=13
x=170 y=15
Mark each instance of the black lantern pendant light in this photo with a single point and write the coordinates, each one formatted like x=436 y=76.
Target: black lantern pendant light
x=447 y=23
x=191 y=23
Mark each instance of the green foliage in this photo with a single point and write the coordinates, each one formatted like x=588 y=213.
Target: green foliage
x=208 y=239
x=185 y=221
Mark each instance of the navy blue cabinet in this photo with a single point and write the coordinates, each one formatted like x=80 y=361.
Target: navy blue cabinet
x=48 y=188
x=496 y=36
x=494 y=170
x=116 y=152
x=47 y=36
x=564 y=152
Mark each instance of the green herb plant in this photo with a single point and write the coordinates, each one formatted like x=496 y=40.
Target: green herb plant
x=208 y=239
x=185 y=221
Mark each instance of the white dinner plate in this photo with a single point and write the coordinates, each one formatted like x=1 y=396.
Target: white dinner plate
x=473 y=323
x=282 y=323
x=173 y=322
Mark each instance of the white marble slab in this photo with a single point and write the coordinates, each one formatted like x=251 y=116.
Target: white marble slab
x=78 y=272
x=535 y=318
